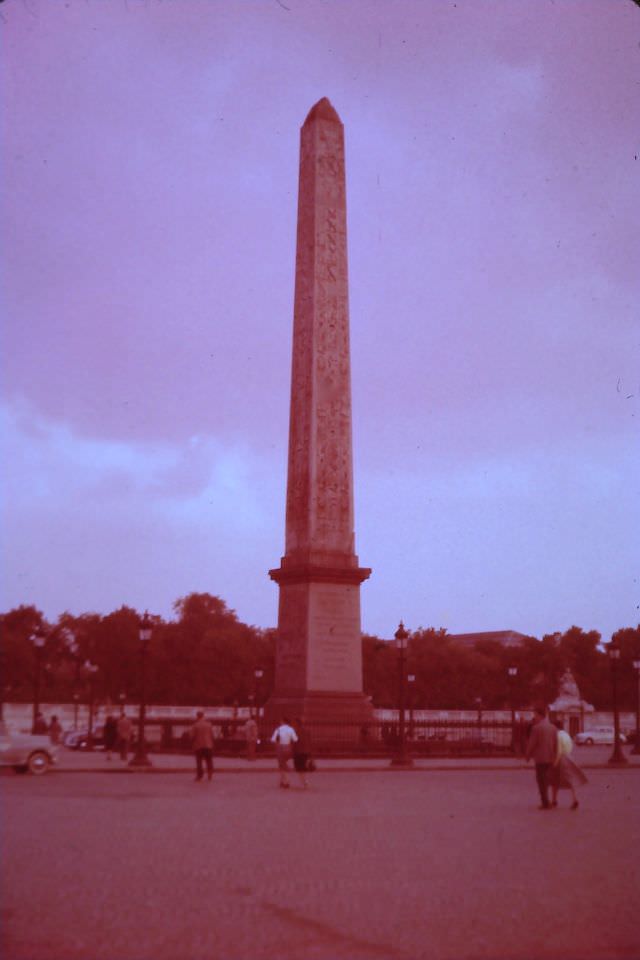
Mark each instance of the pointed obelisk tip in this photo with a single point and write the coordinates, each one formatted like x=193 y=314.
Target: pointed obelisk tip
x=322 y=110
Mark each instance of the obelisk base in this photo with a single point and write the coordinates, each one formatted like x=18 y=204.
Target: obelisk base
x=318 y=673
x=333 y=719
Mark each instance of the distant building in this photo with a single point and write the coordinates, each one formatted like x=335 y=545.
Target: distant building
x=506 y=638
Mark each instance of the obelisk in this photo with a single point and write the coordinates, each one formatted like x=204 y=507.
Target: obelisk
x=319 y=646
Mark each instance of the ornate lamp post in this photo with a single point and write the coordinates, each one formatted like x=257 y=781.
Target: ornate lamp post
x=513 y=673
x=140 y=758
x=402 y=757
x=636 y=667
x=38 y=639
x=90 y=670
x=72 y=645
x=478 y=703
x=257 y=677
x=411 y=679
x=617 y=757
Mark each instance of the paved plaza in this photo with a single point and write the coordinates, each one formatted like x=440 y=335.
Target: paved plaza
x=441 y=865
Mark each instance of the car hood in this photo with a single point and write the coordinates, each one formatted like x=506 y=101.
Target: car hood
x=32 y=741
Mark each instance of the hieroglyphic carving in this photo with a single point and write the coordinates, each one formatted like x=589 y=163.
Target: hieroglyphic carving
x=332 y=494
x=319 y=495
x=300 y=426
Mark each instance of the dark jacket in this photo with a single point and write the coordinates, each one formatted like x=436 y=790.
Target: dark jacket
x=110 y=732
x=543 y=742
x=303 y=744
x=202 y=735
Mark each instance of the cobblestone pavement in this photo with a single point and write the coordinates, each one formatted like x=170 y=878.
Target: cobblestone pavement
x=457 y=865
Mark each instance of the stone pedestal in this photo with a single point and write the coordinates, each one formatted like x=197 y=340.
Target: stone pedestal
x=319 y=647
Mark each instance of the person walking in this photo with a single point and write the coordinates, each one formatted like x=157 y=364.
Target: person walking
x=302 y=751
x=284 y=736
x=55 y=730
x=565 y=774
x=125 y=732
x=251 y=737
x=40 y=725
x=542 y=747
x=110 y=734
x=202 y=744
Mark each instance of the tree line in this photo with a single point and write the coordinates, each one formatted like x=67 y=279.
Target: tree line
x=207 y=656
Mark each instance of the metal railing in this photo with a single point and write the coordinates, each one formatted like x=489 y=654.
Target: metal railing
x=372 y=739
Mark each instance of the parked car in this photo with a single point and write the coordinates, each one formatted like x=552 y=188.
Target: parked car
x=597 y=735
x=79 y=739
x=26 y=752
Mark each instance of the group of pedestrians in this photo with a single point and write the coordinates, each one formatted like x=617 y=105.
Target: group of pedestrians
x=292 y=742
x=53 y=730
x=549 y=747
x=118 y=734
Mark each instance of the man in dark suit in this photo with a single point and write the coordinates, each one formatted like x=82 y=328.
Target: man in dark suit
x=202 y=742
x=542 y=748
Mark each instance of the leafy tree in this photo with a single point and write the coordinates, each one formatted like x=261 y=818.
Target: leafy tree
x=17 y=657
x=206 y=655
x=628 y=640
x=379 y=671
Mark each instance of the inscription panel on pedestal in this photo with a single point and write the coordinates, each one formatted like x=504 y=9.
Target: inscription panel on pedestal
x=334 y=653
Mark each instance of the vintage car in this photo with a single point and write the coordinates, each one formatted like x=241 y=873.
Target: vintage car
x=597 y=735
x=79 y=739
x=26 y=752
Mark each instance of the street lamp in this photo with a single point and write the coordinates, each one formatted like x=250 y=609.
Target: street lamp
x=72 y=645
x=90 y=670
x=140 y=758
x=38 y=639
x=411 y=679
x=478 y=703
x=617 y=757
x=402 y=757
x=636 y=667
x=257 y=676
x=513 y=673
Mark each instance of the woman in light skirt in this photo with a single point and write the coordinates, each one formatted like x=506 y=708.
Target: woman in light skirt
x=565 y=774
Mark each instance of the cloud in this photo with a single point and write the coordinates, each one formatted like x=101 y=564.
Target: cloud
x=150 y=208
x=94 y=524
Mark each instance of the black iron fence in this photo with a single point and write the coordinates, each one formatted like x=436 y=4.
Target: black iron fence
x=423 y=739
x=435 y=738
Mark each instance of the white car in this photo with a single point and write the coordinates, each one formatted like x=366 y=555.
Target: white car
x=26 y=752
x=597 y=735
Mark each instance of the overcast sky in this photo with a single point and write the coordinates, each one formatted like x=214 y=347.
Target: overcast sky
x=150 y=154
